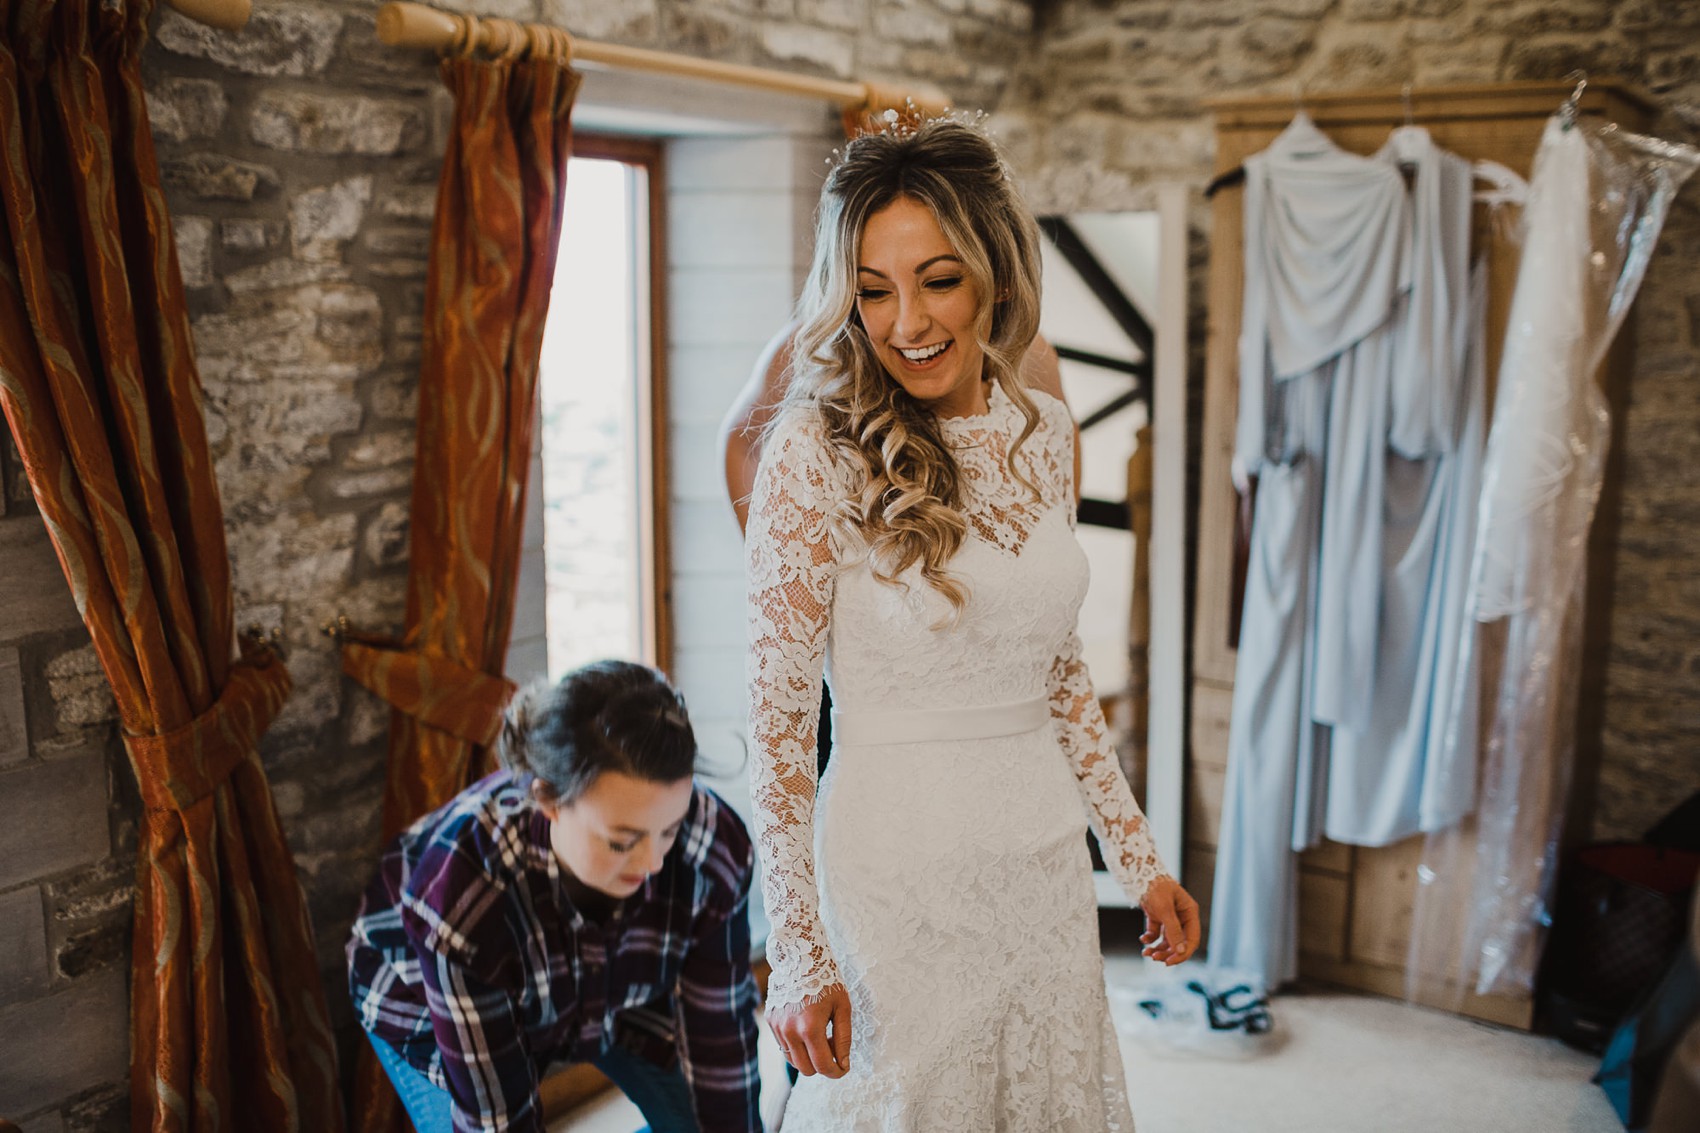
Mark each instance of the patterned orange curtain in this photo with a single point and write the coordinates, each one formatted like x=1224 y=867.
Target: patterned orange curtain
x=497 y=228
x=228 y=1027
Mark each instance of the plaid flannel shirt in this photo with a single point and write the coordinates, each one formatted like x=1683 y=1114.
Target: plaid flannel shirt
x=469 y=959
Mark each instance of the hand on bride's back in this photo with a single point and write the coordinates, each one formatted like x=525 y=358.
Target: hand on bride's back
x=815 y=1036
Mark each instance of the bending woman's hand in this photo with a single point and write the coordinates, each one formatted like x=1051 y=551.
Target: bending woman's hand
x=1171 y=922
x=814 y=1035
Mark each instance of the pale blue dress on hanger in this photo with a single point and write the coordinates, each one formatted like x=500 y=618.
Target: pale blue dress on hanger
x=1360 y=416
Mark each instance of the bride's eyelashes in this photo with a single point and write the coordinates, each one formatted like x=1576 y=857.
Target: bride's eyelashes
x=941 y=283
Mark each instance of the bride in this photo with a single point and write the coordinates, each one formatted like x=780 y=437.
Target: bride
x=935 y=944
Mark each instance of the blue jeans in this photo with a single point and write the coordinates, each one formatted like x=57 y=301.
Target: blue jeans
x=662 y=1096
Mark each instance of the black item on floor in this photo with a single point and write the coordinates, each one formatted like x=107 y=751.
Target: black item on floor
x=1620 y=915
x=1641 y=1046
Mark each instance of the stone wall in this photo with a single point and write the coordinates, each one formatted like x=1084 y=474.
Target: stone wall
x=300 y=160
x=68 y=809
x=1111 y=102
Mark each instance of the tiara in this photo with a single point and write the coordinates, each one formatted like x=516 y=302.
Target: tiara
x=900 y=122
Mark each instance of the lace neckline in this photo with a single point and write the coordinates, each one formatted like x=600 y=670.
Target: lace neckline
x=996 y=402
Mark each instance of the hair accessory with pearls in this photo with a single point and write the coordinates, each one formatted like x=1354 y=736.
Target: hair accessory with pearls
x=901 y=122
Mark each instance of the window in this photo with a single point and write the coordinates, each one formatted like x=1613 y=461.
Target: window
x=602 y=408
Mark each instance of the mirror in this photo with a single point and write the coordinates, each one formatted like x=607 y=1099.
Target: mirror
x=1110 y=297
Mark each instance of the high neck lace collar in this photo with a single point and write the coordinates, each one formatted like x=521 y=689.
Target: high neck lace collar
x=997 y=404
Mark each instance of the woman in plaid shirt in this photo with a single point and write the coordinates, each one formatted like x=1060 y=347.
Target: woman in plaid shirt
x=585 y=904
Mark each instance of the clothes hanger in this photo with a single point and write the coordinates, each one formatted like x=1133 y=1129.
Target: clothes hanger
x=1405 y=138
x=1567 y=112
x=1236 y=175
x=1508 y=187
x=1505 y=186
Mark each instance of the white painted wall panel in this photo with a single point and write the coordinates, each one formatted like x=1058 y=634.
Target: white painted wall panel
x=728 y=306
x=748 y=206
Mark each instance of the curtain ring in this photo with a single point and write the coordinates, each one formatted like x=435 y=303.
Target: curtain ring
x=465 y=38
x=495 y=36
x=514 y=41
x=536 y=43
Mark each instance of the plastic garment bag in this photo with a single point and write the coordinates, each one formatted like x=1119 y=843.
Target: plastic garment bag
x=1596 y=205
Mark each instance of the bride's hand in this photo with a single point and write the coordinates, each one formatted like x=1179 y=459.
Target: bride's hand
x=802 y=1033
x=1171 y=922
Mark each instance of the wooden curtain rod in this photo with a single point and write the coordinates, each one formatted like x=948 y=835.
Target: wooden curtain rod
x=226 y=15
x=405 y=24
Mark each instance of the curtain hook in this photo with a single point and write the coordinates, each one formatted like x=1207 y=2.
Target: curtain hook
x=257 y=635
x=1405 y=97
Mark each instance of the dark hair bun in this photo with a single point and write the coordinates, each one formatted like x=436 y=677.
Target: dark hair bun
x=605 y=716
x=512 y=746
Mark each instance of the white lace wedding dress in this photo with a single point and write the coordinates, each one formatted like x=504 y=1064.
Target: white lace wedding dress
x=941 y=874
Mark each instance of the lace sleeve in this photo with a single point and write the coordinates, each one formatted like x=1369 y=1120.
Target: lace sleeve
x=792 y=564
x=1115 y=817
x=1110 y=807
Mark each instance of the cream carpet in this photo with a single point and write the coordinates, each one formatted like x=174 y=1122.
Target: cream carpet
x=1342 y=1063
x=1357 y=1064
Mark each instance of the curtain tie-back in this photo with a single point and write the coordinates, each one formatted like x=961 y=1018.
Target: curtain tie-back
x=466 y=703
x=179 y=768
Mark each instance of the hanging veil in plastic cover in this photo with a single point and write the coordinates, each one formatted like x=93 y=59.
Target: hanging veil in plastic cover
x=1597 y=201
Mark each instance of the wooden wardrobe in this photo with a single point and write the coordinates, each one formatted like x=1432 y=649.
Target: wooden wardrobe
x=1355 y=904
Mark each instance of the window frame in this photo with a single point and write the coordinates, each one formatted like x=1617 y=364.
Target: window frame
x=655 y=558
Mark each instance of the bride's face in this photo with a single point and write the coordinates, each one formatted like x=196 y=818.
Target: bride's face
x=919 y=305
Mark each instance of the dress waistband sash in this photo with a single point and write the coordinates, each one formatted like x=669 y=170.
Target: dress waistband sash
x=973 y=722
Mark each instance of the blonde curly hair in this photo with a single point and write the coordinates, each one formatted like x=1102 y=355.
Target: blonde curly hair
x=909 y=507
